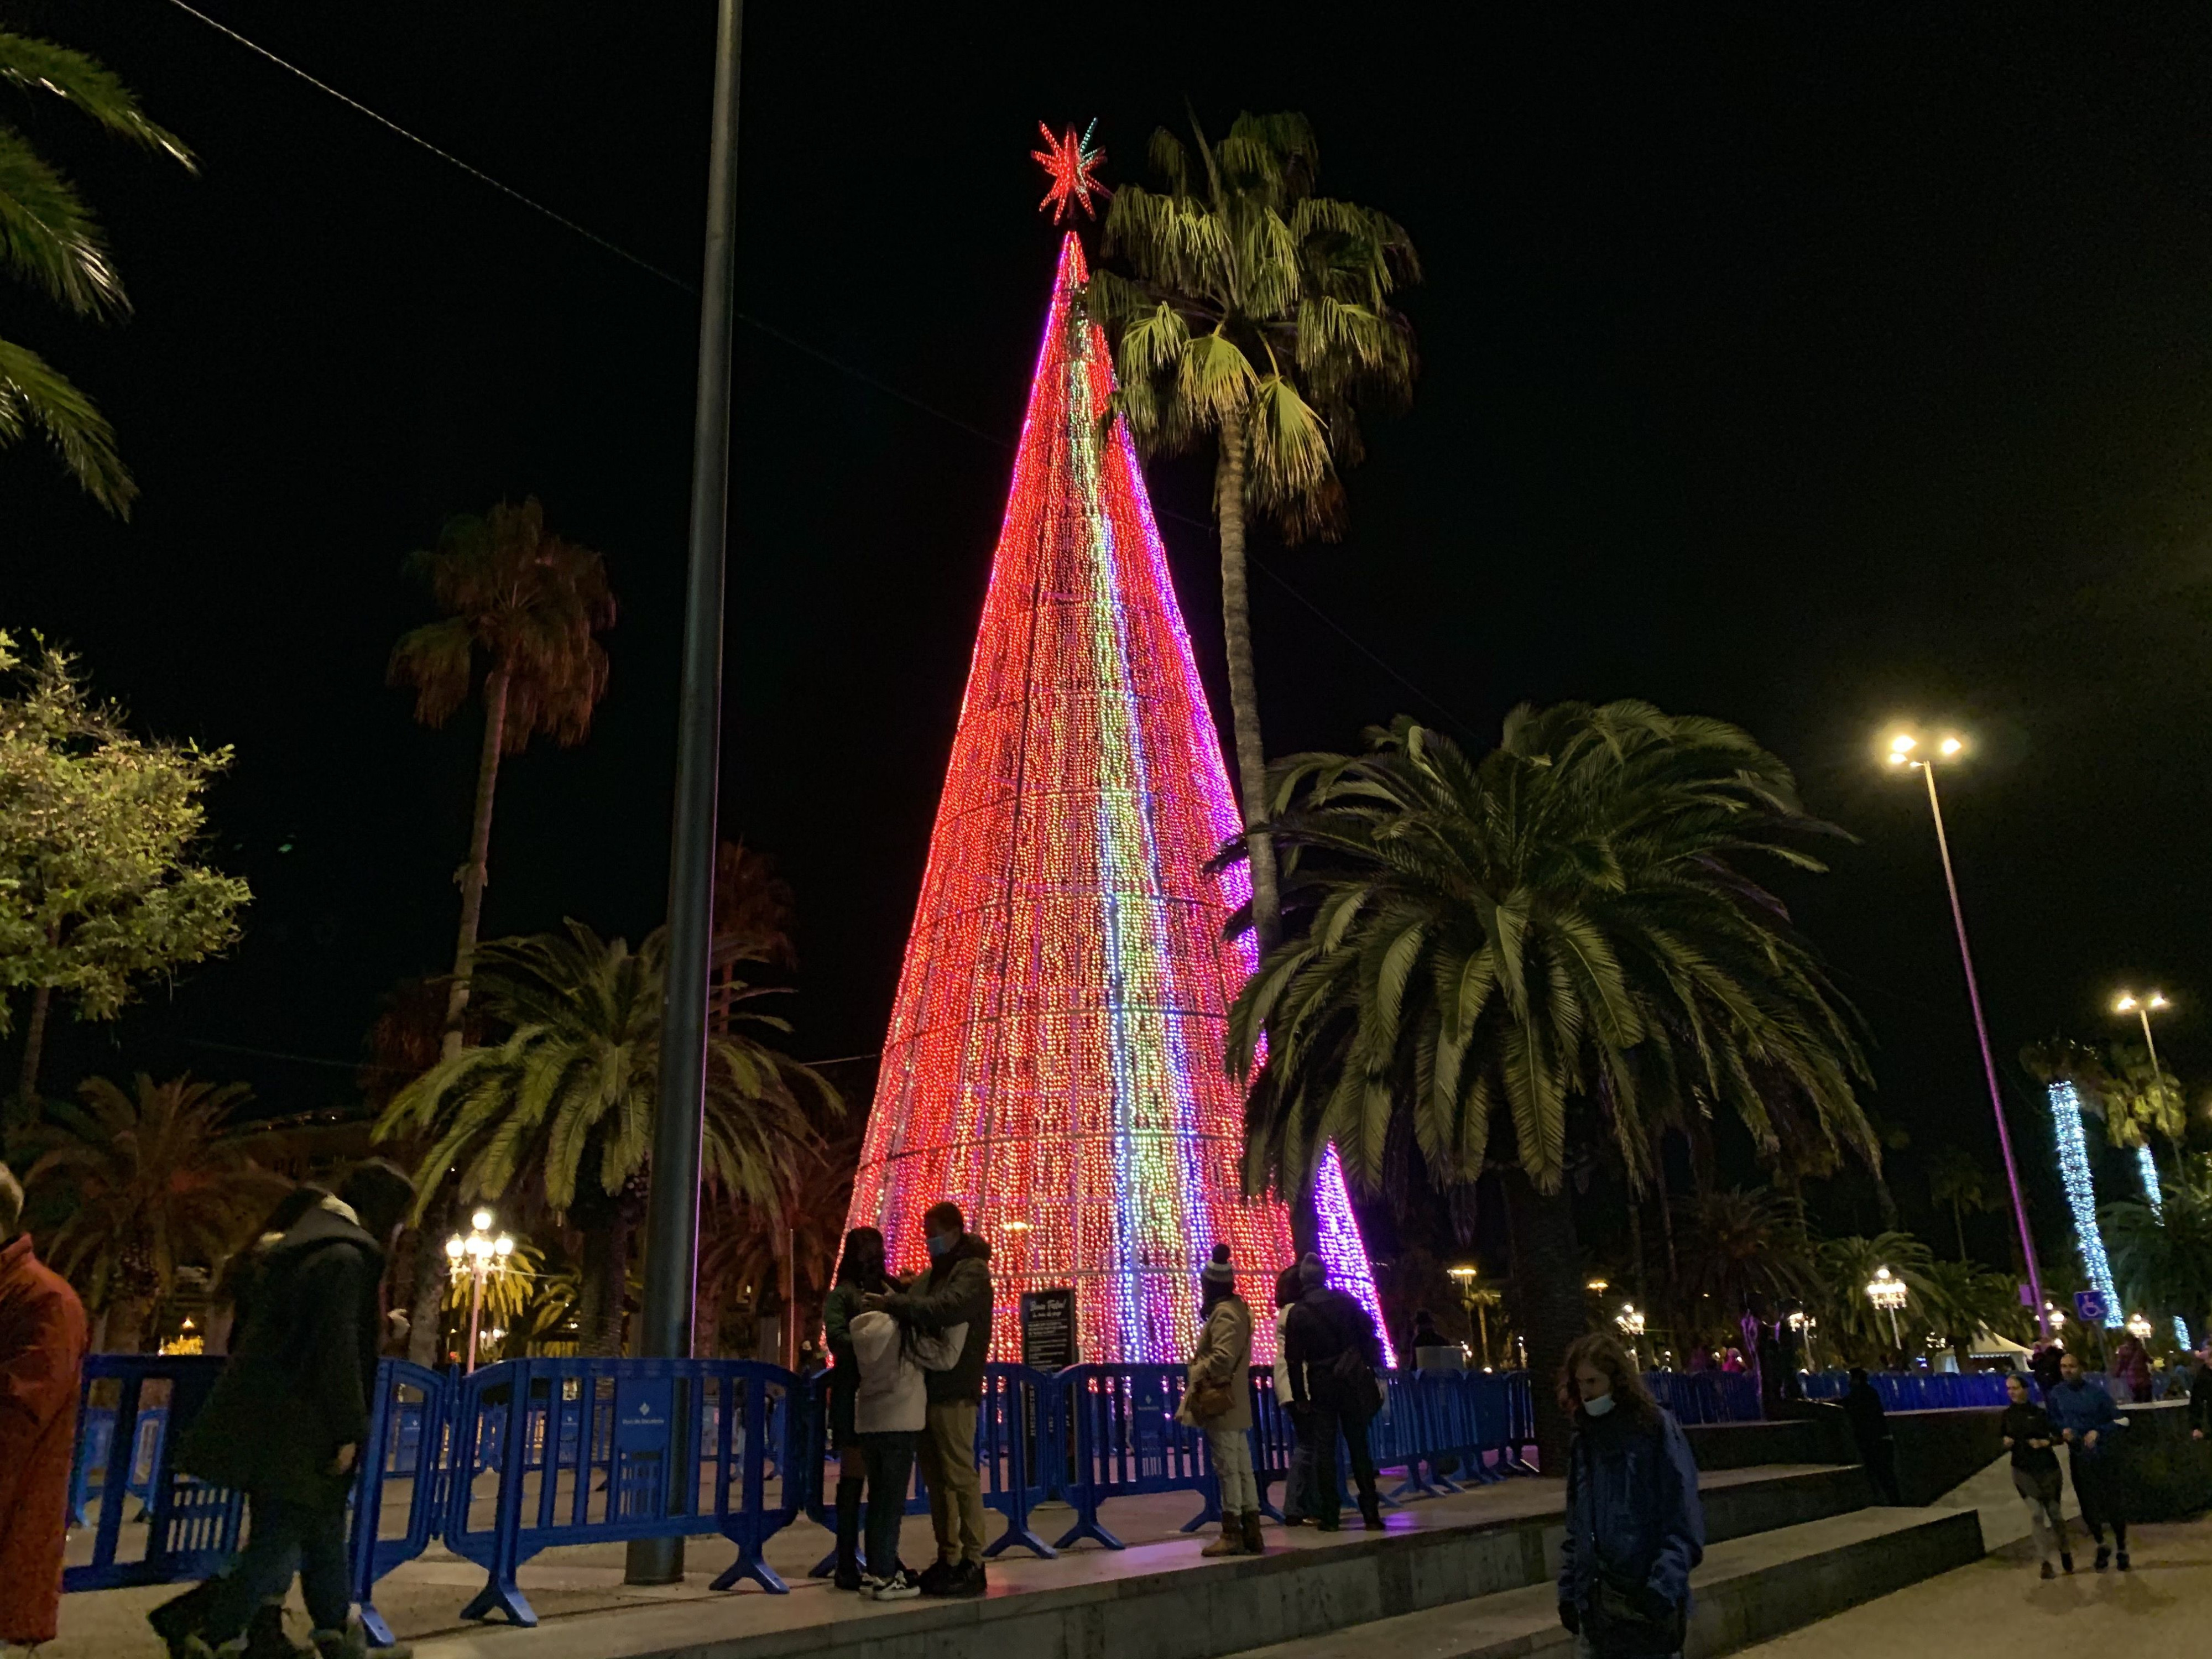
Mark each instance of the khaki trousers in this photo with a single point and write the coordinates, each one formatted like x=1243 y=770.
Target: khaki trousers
x=956 y=1485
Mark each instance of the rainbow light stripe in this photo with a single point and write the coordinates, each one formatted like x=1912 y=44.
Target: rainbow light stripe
x=1055 y=1063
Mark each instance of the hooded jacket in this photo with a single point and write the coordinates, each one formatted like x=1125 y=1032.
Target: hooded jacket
x=1633 y=1513
x=42 y=1338
x=893 y=1393
x=956 y=1290
x=1322 y=1323
x=302 y=1365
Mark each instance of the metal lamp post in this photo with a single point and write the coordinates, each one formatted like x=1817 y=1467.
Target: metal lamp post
x=1906 y=754
x=477 y=1258
x=1476 y=1299
x=1888 y=1293
x=1805 y=1325
x=1631 y=1327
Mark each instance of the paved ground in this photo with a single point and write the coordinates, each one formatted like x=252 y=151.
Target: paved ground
x=1998 y=1608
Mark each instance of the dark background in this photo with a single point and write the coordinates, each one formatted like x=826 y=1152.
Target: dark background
x=1808 y=371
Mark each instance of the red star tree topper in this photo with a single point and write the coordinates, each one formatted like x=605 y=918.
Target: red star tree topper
x=1071 y=162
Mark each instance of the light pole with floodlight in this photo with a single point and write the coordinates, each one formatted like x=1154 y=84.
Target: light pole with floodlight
x=1903 y=757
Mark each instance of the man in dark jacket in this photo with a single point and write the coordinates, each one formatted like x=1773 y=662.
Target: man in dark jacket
x=1870 y=1429
x=956 y=1290
x=1333 y=1352
x=288 y=1417
x=2083 y=1413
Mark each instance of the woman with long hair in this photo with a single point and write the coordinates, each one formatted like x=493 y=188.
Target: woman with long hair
x=860 y=1272
x=1635 y=1527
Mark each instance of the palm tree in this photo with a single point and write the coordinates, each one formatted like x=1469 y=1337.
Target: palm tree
x=50 y=239
x=753 y=910
x=1849 y=1319
x=2139 y=1099
x=1956 y=1181
x=1556 y=940
x=153 y=1181
x=1741 y=1246
x=1259 y=311
x=522 y=608
x=2162 y=1258
x=561 y=1110
x=1962 y=1300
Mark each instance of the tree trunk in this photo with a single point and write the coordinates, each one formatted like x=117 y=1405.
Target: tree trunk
x=603 y=1325
x=126 y=1323
x=1548 y=1301
x=1681 y=1320
x=476 y=874
x=1958 y=1221
x=35 y=1042
x=1245 y=686
x=1887 y=1200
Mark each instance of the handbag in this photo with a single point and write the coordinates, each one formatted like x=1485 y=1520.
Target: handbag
x=1619 y=1626
x=1207 y=1400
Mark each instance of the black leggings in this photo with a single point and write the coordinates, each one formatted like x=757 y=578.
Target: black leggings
x=2093 y=1484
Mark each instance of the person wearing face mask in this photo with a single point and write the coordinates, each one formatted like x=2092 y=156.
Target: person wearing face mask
x=956 y=1290
x=1635 y=1527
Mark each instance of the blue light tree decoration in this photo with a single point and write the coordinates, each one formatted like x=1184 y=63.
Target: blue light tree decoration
x=2081 y=1192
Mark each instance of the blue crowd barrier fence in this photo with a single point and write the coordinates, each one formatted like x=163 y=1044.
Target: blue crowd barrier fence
x=1923 y=1391
x=192 y=1529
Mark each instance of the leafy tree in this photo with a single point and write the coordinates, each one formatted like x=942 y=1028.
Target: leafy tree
x=151 y=1181
x=1542 y=950
x=1259 y=311
x=2162 y=1259
x=1957 y=1184
x=523 y=609
x=98 y=888
x=1858 y=1331
x=50 y=239
x=561 y=1110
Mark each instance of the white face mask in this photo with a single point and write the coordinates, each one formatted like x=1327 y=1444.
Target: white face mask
x=1599 y=1406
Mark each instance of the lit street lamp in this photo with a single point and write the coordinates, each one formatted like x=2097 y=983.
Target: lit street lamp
x=1478 y=1300
x=1805 y=1325
x=1631 y=1327
x=2139 y=1328
x=1906 y=754
x=1888 y=1293
x=477 y=1258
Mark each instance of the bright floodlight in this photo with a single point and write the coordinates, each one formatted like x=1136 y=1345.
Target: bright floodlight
x=2126 y=1005
x=481 y=1220
x=1461 y=1273
x=1896 y=758
x=1951 y=745
x=2157 y=1000
x=1900 y=744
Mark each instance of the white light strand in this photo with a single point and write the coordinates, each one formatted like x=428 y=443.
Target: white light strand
x=2081 y=1194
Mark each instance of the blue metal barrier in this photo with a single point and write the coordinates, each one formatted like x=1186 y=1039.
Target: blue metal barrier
x=1124 y=1439
x=1706 y=1396
x=1923 y=1391
x=399 y=1426
x=192 y=1529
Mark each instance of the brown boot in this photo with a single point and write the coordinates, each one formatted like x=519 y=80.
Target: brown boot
x=1252 y=1544
x=1232 y=1542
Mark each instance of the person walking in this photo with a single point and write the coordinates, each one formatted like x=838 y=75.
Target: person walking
x=956 y=1290
x=891 y=1412
x=2087 y=1418
x=1299 y=1497
x=42 y=1342
x=288 y=1417
x=1635 y=1525
x=860 y=1272
x=2030 y=1436
x=1217 y=1397
x=1871 y=1431
x=1333 y=1354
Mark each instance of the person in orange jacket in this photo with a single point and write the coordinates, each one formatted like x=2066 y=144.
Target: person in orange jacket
x=42 y=1341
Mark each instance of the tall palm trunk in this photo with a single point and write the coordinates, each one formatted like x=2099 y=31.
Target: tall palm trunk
x=1958 y=1221
x=1547 y=1296
x=477 y=873
x=426 y=1309
x=126 y=1323
x=35 y=1042
x=606 y=1283
x=1243 y=684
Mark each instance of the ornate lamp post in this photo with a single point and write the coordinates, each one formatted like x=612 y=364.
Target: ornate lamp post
x=1888 y=1293
x=477 y=1258
x=1478 y=1300
x=1906 y=754
x=2139 y=1328
x=1631 y=1327
x=1805 y=1325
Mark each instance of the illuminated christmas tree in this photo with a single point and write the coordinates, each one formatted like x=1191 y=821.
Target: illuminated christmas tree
x=1054 y=1061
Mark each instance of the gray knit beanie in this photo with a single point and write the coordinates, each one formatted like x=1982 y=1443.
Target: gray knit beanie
x=1218 y=1271
x=1312 y=1270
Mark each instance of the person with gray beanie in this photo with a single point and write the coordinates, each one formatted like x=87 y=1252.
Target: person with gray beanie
x=1334 y=1353
x=1218 y=1398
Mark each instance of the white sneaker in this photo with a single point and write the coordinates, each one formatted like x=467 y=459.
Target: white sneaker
x=898 y=1588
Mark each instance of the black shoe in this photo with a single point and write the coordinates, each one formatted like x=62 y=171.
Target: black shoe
x=265 y=1638
x=2049 y=1571
x=179 y=1617
x=1327 y=1523
x=2103 y=1557
x=847 y=1578
x=2121 y=1561
x=1370 y=1515
x=968 y=1579
x=2066 y=1561
x=935 y=1577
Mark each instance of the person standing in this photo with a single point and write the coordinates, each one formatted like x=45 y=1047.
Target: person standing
x=288 y=1417
x=1870 y=1430
x=860 y=1272
x=2200 y=1397
x=2044 y=1363
x=1217 y=1397
x=2086 y=1418
x=956 y=1290
x=2130 y=1371
x=42 y=1341
x=1298 y=1495
x=2029 y=1435
x=1635 y=1525
x=1333 y=1354
x=891 y=1411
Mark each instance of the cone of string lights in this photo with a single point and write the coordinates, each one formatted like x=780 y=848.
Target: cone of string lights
x=1054 y=1060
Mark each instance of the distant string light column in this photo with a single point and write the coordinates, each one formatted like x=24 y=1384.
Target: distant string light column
x=1902 y=756
x=2141 y=1006
x=2081 y=1196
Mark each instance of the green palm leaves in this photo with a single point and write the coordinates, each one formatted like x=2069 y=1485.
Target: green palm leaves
x=1563 y=927
x=565 y=1102
x=50 y=239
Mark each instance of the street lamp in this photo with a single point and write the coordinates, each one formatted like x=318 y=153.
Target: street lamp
x=1477 y=1300
x=1631 y=1327
x=1888 y=1293
x=1805 y=1325
x=477 y=1258
x=2139 y=1328
x=1906 y=754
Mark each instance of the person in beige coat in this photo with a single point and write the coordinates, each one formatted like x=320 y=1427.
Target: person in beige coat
x=889 y=1409
x=1218 y=1398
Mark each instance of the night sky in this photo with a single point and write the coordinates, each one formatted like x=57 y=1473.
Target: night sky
x=1805 y=371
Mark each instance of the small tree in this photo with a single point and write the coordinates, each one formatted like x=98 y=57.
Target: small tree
x=98 y=889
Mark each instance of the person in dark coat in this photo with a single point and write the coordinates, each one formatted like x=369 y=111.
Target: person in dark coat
x=1870 y=1430
x=1301 y=1492
x=288 y=1417
x=42 y=1341
x=2086 y=1417
x=1635 y=1525
x=860 y=1272
x=1334 y=1353
x=2200 y=1398
x=2029 y=1436
x=956 y=1290
x=2044 y=1363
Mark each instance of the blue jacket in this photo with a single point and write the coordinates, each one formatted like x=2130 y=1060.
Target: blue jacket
x=2082 y=1406
x=1632 y=1507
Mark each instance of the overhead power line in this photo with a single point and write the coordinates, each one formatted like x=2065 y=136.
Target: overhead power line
x=608 y=245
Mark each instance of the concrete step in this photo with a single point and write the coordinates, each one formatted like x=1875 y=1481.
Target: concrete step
x=1747 y=1589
